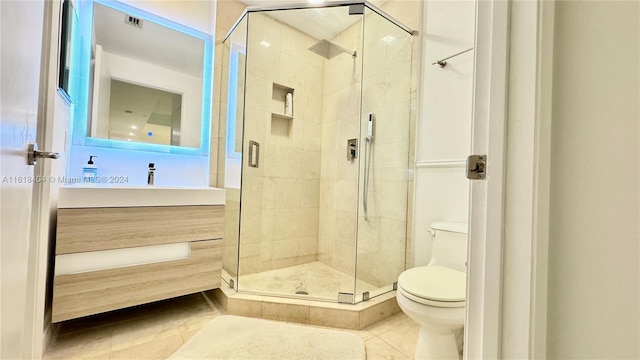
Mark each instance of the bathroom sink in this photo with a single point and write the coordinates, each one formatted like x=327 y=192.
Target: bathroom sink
x=131 y=196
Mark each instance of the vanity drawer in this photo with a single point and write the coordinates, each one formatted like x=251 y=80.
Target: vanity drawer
x=82 y=294
x=95 y=229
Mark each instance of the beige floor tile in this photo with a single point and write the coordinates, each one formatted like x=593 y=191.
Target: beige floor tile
x=188 y=334
x=144 y=330
x=99 y=357
x=156 y=349
x=85 y=323
x=193 y=304
x=410 y=324
x=213 y=302
x=75 y=356
x=285 y=312
x=402 y=337
x=186 y=319
x=192 y=325
x=243 y=307
x=380 y=350
x=80 y=344
x=405 y=319
x=98 y=335
x=155 y=331
x=343 y=319
x=363 y=334
x=387 y=324
x=103 y=319
x=188 y=314
x=197 y=322
x=377 y=313
x=218 y=295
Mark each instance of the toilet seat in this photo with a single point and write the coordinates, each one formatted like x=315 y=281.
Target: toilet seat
x=434 y=286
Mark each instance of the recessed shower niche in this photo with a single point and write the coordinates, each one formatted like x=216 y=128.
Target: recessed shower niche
x=303 y=220
x=281 y=110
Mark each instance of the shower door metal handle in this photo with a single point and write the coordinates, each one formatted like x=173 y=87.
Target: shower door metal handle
x=254 y=155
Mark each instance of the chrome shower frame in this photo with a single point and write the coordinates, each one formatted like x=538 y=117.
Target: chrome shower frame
x=300 y=6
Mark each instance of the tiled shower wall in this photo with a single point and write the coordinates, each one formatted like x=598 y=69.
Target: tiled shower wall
x=382 y=236
x=339 y=176
x=280 y=198
x=384 y=65
x=226 y=15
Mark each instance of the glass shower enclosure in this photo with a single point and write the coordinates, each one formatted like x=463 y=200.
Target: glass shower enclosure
x=315 y=113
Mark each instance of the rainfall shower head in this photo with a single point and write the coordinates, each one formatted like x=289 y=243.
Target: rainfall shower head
x=329 y=50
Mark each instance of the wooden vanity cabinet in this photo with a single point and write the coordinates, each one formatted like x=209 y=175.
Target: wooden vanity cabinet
x=82 y=230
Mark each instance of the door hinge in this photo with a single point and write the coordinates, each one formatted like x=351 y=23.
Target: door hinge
x=477 y=167
x=346 y=298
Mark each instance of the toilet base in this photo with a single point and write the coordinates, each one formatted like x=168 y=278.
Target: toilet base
x=441 y=329
x=436 y=345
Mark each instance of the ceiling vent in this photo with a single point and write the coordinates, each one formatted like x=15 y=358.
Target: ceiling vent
x=133 y=21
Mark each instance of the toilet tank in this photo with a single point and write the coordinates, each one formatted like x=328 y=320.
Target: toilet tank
x=449 y=247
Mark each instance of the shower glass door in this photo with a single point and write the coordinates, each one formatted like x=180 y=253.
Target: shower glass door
x=232 y=71
x=384 y=161
x=299 y=188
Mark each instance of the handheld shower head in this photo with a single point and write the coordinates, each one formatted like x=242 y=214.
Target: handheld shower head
x=369 y=137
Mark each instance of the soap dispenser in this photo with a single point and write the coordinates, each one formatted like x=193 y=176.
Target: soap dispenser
x=90 y=172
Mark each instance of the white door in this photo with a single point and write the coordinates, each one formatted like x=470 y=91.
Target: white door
x=483 y=320
x=508 y=226
x=21 y=34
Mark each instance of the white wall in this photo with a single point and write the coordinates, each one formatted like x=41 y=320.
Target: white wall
x=444 y=123
x=594 y=277
x=199 y=15
x=172 y=169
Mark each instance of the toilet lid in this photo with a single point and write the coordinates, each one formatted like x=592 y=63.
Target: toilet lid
x=434 y=283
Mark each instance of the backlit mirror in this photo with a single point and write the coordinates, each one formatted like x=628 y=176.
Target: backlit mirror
x=149 y=82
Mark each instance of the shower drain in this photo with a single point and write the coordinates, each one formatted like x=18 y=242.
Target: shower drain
x=301 y=292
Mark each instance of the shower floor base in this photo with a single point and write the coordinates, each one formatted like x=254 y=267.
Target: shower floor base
x=315 y=279
x=284 y=305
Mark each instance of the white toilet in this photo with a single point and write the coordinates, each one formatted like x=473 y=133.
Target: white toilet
x=434 y=295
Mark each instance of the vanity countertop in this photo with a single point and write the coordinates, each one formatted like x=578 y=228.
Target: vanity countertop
x=138 y=196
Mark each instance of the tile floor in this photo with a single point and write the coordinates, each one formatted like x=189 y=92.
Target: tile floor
x=155 y=331
x=319 y=280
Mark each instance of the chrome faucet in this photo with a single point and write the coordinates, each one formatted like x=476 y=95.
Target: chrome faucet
x=151 y=174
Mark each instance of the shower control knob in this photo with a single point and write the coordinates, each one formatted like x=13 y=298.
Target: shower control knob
x=352 y=149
